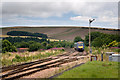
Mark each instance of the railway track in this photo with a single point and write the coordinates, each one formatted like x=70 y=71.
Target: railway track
x=4 y=69
x=20 y=70
x=11 y=67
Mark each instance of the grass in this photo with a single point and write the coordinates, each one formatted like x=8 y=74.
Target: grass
x=14 y=58
x=99 y=50
x=95 y=69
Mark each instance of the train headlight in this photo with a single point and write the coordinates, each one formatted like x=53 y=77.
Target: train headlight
x=80 y=46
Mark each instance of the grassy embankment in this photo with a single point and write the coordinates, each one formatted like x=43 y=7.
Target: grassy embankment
x=10 y=58
x=94 y=69
x=98 y=51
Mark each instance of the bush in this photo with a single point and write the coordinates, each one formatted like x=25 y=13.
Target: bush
x=22 y=44
x=17 y=57
x=27 y=39
x=35 y=46
x=44 y=44
x=94 y=35
x=58 y=45
x=8 y=47
x=98 y=42
x=49 y=46
x=6 y=62
x=117 y=50
x=114 y=44
x=77 y=39
x=99 y=39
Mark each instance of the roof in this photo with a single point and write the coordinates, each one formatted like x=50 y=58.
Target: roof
x=22 y=48
x=80 y=42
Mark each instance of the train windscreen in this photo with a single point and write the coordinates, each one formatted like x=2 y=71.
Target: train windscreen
x=81 y=44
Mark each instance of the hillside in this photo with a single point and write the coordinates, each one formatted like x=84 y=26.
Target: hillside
x=63 y=33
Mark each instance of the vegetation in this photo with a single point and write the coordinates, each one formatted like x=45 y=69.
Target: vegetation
x=94 y=69
x=9 y=58
x=8 y=47
x=27 y=39
x=114 y=44
x=100 y=50
x=77 y=39
x=93 y=36
x=99 y=39
x=24 y=33
x=0 y=46
x=35 y=44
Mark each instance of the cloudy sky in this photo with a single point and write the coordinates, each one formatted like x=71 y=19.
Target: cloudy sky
x=72 y=13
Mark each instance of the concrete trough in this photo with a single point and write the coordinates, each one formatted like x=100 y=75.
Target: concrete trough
x=116 y=57
x=109 y=53
x=109 y=56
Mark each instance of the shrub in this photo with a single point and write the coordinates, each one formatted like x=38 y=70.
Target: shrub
x=8 y=47
x=35 y=47
x=113 y=44
x=49 y=46
x=94 y=35
x=77 y=39
x=17 y=57
x=98 y=42
x=99 y=39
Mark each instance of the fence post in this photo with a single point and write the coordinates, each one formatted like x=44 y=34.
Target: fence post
x=90 y=58
x=102 y=57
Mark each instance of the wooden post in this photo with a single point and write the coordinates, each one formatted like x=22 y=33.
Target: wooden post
x=93 y=56
x=101 y=57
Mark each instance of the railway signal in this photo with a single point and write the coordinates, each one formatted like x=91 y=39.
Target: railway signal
x=90 y=21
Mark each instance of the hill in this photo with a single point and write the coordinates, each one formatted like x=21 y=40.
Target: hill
x=62 y=33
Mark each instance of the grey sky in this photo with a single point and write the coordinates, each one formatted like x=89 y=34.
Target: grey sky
x=104 y=12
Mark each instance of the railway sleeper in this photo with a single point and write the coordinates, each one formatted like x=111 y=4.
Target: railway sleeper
x=25 y=74
x=44 y=67
x=18 y=71
x=16 y=66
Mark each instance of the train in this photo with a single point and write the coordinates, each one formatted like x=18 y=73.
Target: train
x=79 y=46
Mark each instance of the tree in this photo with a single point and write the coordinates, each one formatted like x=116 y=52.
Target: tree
x=35 y=46
x=114 y=44
x=58 y=45
x=22 y=44
x=77 y=39
x=24 y=33
x=63 y=43
x=94 y=35
x=98 y=42
x=49 y=46
x=27 y=39
x=8 y=47
x=44 y=44
x=102 y=40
